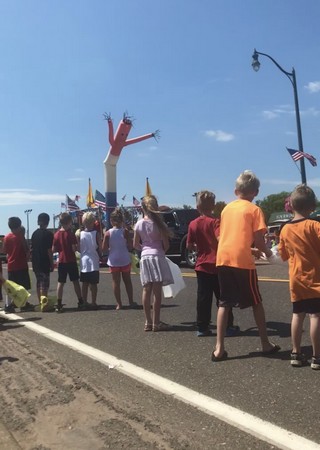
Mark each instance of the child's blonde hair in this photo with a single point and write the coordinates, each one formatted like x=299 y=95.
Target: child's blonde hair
x=88 y=218
x=150 y=207
x=303 y=199
x=206 y=201
x=247 y=183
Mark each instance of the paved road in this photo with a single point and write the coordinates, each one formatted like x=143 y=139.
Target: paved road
x=267 y=388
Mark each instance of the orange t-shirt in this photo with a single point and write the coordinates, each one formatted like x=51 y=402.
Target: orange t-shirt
x=300 y=245
x=240 y=219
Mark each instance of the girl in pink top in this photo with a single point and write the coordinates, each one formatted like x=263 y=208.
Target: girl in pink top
x=151 y=236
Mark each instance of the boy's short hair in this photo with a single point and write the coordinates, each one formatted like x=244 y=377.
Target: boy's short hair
x=43 y=219
x=247 y=183
x=206 y=201
x=65 y=218
x=303 y=199
x=88 y=218
x=14 y=223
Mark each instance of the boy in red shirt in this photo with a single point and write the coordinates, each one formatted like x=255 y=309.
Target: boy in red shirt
x=16 y=248
x=203 y=236
x=65 y=242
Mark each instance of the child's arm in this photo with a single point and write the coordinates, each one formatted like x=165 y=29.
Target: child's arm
x=260 y=243
x=127 y=237
x=136 y=241
x=165 y=243
x=50 y=254
x=99 y=244
x=105 y=243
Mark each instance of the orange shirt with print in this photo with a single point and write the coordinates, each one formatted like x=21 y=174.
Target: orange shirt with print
x=240 y=219
x=300 y=245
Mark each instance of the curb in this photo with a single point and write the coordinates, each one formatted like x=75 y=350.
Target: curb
x=7 y=440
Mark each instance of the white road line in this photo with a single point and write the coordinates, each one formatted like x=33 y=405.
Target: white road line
x=248 y=423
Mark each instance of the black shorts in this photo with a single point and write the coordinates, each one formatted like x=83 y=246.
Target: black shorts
x=20 y=277
x=90 y=277
x=308 y=306
x=238 y=287
x=70 y=269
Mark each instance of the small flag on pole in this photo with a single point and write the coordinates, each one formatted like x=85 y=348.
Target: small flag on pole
x=90 y=199
x=148 y=188
x=135 y=201
x=63 y=205
x=296 y=155
x=71 y=205
x=77 y=198
x=100 y=200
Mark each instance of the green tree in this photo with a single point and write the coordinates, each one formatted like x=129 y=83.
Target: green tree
x=272 y=203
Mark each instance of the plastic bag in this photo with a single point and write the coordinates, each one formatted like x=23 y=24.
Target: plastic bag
x=18 y=294
x=135 y=263
x=172 y=290
x=47 y=303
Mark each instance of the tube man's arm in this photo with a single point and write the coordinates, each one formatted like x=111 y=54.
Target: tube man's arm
x=142 y=138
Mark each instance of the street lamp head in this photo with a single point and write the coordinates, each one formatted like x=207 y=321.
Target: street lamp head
x=255 y=61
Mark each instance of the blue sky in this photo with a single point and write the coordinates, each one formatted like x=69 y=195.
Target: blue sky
x=181 y=66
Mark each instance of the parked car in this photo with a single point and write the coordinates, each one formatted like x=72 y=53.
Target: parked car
x=178 y=221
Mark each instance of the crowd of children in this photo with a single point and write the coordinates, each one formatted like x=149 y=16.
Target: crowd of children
x=225 y=263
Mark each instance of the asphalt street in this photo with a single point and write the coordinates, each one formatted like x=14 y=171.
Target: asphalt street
x=266 y=387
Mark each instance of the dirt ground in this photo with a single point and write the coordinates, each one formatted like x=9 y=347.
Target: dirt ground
x=46 y=406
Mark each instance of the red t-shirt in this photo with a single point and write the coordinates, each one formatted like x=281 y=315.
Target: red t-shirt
x=15 y=248
x=204 y=231
x=63 y=241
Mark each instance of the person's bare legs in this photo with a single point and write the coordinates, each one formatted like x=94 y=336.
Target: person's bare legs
x=94 y=293
x=146 y=297
x=60 y=290
x=157 y=298
x=85 y=286
x=116 y=279
x=260 y=319
x=126 y=276
x=315 y=334
x=222 y=321
x=77 y=289
x=296 y=331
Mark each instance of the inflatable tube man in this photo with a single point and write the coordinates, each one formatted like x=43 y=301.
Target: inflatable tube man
x=117 y=142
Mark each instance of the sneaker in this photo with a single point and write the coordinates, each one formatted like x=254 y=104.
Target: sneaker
x=299 y=360
x=27 y=307
x=233 y=330
x=58 y=308
x=9 y=309
x=315 y=363
x=82 y=306
x=204 y=333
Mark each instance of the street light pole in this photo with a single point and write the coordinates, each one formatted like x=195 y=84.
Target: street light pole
x=27 y=212
x=292 y=78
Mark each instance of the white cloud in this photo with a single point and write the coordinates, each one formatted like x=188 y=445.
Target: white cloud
x=269 y=115
x=29 y=196
x=76 y=179
x=219 y=135
x=313 y=86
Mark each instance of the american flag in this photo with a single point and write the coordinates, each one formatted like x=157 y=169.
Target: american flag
x=63 y=205
x=135 y=201
x=100 y=200
x=71 y=205
x=77 y=198
x=296 y=155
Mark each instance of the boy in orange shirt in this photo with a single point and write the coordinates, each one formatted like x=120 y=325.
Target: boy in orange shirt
x=242 y=223
x=300 y=245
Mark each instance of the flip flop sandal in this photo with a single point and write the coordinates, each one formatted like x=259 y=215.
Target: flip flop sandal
x=223 y=357
x=148 y=326
x=274 y=349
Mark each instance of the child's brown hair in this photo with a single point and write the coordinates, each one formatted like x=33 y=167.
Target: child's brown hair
x=303 y=199
x=116 y=217
x=65 y=218
x=150 y=206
